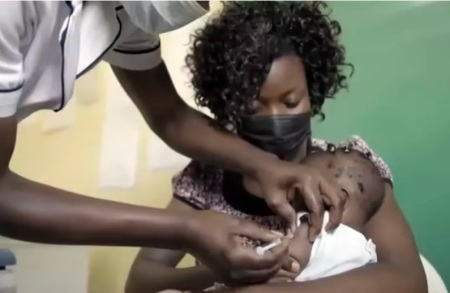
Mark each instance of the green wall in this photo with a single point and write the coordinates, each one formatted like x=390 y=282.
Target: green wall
x=399 y=101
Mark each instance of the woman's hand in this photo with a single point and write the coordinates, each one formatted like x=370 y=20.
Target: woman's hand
x=279 y=181
x=215 y=239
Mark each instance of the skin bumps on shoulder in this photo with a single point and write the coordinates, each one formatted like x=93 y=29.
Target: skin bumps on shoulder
x=355 y=174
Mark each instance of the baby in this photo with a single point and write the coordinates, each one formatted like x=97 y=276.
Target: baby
x=346 y=247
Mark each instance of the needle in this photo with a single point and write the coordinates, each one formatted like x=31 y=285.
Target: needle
x=260 y=250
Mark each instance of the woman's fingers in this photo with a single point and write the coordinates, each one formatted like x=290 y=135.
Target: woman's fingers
x=278 y=202
x=248 y=258
x=335 y=198
x=314 y=204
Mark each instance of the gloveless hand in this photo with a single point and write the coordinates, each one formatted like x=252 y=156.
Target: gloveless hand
x=279 y=181
x=283 y=275
x=215 y=239
x=300 y=251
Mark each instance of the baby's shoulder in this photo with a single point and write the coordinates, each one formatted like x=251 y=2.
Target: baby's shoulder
x=356 y=152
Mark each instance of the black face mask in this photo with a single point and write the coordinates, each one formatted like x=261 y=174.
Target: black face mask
x=281 y=135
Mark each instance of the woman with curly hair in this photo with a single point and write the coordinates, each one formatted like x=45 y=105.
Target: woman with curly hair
x=264 y=69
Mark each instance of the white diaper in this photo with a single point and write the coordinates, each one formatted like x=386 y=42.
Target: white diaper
x=333 y=253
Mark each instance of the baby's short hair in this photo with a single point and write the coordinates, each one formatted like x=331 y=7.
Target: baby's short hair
x=355 y=174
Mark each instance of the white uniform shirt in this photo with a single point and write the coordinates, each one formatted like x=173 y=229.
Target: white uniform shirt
x=45 y=46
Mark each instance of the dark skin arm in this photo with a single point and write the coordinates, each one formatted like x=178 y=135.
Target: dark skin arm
x=36 y=212
x=399 y=269
x=191 y=133
x=32 y=211
x=174 y=121
x=154 y=270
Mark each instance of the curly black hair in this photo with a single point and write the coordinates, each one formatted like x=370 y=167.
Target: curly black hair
x=232 y=54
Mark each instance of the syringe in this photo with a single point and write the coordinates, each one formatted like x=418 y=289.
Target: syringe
x=260 y=250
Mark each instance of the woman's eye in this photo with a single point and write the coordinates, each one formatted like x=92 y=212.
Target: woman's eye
x=291 y=104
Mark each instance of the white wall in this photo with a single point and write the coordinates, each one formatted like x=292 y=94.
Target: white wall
x=48 y=268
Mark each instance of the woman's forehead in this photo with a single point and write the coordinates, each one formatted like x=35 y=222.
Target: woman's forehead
x=285 y=73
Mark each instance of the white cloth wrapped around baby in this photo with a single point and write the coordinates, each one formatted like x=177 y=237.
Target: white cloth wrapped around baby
x=338 y=251
x=332 y=253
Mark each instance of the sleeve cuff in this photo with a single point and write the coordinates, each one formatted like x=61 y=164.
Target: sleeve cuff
x=135 y=60
x=9 y=99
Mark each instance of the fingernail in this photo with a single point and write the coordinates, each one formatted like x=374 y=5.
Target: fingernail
x=295 y=267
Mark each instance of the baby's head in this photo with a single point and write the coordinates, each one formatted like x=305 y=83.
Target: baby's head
x=358 y=177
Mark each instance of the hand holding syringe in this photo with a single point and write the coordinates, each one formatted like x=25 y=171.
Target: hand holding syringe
x=290 y=269
x=260 y=250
